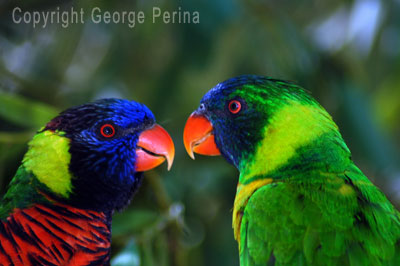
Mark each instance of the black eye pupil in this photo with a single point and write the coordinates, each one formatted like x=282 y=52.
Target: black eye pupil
x=234 y=106
x=107 y=130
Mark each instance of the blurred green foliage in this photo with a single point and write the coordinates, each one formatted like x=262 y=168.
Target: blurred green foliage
x=347 y=53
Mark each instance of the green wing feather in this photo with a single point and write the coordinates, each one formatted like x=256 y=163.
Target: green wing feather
x=320 y=219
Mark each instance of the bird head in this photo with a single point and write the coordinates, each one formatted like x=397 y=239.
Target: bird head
x=259 y=124
x=93 y=155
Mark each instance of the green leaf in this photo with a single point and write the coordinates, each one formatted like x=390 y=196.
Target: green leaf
x=133 y=221
x=26 y=113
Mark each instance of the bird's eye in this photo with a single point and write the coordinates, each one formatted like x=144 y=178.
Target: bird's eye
x=234 y=106
x=107 y=130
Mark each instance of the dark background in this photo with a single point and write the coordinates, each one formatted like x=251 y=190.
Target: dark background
x=345 y=52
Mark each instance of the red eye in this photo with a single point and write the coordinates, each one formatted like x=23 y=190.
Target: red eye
x=234 y=106
x=107 y=130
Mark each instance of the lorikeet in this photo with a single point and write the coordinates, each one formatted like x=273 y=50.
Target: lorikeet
x=300 y=199
x=81 y=167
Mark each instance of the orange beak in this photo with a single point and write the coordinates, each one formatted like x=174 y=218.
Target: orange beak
x=153 y=148
x=198 y=136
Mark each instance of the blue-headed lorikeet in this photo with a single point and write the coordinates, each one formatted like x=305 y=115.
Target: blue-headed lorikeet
x=300 y=199
x=81 y=167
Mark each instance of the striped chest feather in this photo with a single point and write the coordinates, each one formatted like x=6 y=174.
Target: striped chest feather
x=55 y=235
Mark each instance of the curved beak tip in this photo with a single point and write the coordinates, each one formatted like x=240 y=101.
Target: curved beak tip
x=191 y=153
x=170 y=160
x=188 y=144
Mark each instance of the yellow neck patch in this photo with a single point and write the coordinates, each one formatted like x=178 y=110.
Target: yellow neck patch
x=243 y=193
x=293 y=126
x=48 y=159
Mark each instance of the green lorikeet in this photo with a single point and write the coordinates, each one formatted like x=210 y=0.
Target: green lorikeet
x=81 y=167
x=300 y=199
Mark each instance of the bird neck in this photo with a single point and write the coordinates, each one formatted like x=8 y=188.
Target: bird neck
x=297 y=139
x=48 y=158
x=26 y=190
x=102 y=195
